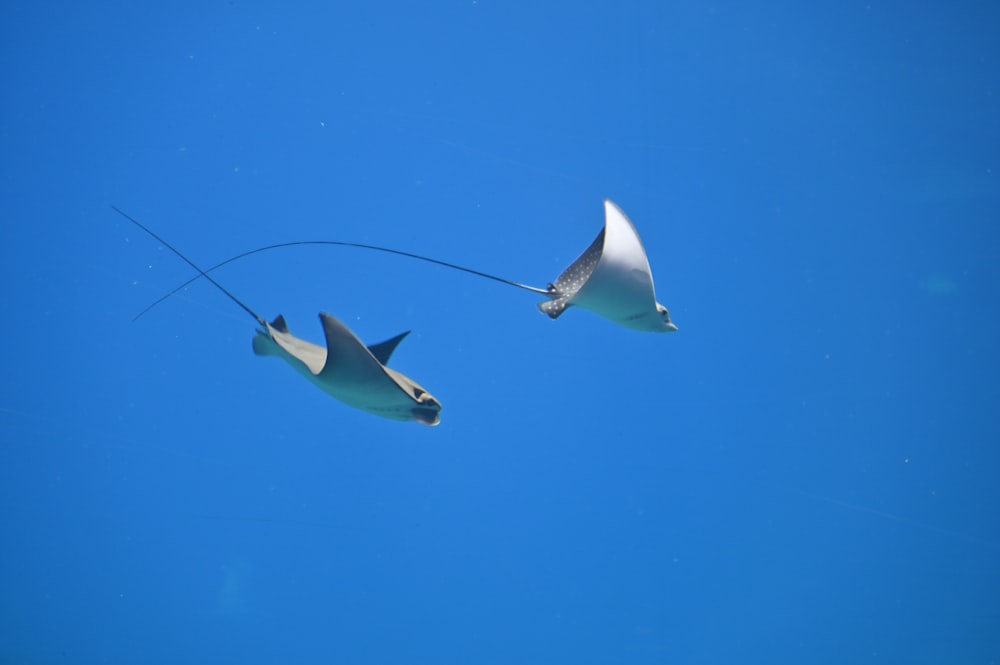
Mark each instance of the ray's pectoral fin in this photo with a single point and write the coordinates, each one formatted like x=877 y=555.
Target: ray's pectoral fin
x=383 y=350
x=572 y=279
x=346 y=355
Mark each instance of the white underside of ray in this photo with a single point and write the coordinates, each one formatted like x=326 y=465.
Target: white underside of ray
x=620 y=286
x=347 y=371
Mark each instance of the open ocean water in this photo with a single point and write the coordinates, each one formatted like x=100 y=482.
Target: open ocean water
x=806 y=472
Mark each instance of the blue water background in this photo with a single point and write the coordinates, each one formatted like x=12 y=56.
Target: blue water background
x=805 y=473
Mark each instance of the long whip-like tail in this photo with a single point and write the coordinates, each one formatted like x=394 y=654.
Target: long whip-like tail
x=201 y=273
x=339 y=243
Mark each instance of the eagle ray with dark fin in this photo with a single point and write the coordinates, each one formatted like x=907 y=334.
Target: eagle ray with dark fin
x=346 y=369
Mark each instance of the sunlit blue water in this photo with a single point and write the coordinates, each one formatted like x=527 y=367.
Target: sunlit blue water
x=804 y=473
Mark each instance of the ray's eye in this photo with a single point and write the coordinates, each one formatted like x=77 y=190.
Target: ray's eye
x=418 y=393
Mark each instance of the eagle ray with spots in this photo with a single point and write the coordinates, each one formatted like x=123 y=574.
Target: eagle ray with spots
x=611 y=278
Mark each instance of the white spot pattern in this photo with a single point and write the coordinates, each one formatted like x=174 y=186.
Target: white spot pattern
x=576 y=275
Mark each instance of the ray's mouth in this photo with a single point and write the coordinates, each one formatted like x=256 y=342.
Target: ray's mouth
x=427 y=416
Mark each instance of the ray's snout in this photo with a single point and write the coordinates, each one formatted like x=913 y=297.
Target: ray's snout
x=668 y=325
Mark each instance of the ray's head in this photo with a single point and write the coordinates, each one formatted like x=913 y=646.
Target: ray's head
x=427 y=410
x=665 y=324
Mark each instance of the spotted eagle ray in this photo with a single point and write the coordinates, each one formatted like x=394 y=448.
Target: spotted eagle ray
x=346 y=369
x=611 y=278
